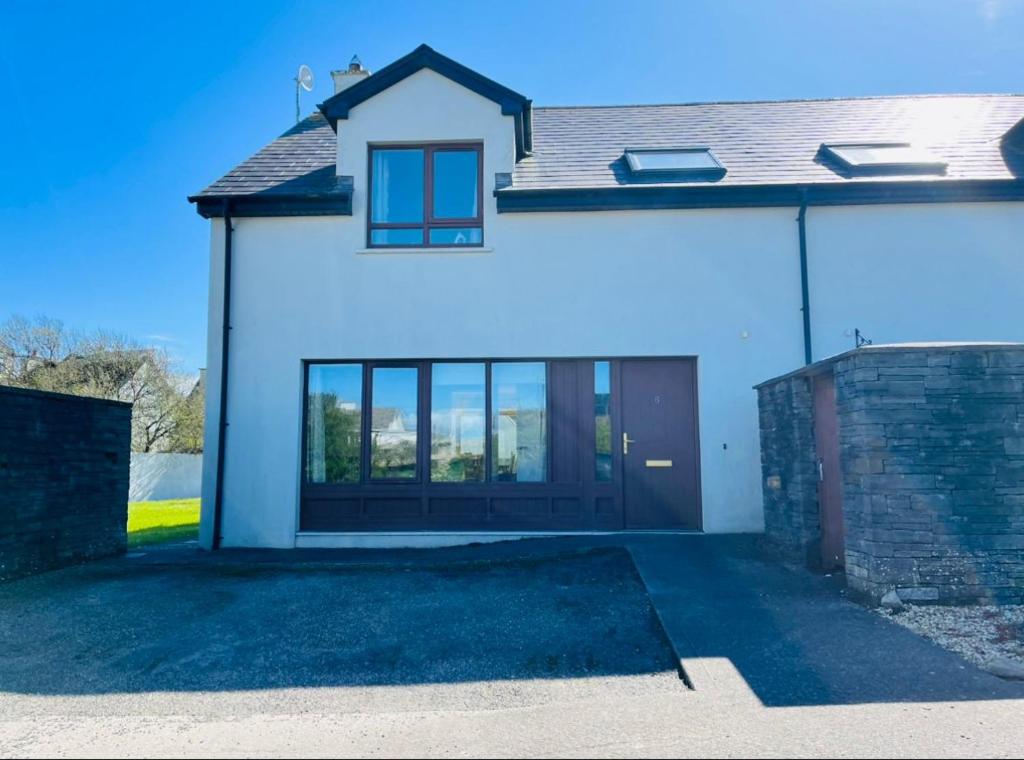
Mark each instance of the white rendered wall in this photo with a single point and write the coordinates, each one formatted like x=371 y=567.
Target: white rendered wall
x=627 y=283
x=723 y=285
x=907 y=273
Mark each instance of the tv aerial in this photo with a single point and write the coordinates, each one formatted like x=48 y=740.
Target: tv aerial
x=303 y=81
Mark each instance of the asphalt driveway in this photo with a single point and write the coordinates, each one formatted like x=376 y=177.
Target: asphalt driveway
x=565 y=647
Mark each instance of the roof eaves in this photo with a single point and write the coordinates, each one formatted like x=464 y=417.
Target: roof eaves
x=512 y=200
x=333 y=203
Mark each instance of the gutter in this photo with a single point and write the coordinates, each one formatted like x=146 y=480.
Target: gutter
x=805 y=290
x=218 y=499
x=854 y=193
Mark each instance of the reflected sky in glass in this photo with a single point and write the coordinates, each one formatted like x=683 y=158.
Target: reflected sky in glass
x=344 y=381
x=397 y=185
x=455 y=188
x=395 y=388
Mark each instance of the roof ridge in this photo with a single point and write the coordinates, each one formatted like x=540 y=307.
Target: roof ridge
x=919 y=96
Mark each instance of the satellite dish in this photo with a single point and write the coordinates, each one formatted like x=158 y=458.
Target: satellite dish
x=305 y=78
x=303 y=81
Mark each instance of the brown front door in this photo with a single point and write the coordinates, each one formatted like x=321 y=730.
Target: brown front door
x=659 y=444
x=830 y=494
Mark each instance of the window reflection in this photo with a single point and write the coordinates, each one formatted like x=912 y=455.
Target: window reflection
x=603 y=420
x=334 y=423
x=455 y=184
x=393 y=423
x=397 y=185
x=519 y=421
x=457 y=417
x=456 y=236
x=425 y=196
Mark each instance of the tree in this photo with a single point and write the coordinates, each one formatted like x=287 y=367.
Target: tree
x=44 y=355
x=187 y=436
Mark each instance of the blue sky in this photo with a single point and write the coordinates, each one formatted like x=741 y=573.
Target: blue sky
x=114 y=112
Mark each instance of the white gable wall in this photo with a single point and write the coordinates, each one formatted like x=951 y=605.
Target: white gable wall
x=723 y=285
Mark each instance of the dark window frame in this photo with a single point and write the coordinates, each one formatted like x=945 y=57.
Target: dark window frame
x=428 y=400
x=429 y=221
x=424 y=436
x=366 y=455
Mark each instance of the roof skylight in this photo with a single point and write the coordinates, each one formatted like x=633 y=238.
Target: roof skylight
x=697 y=162
x=884 y=158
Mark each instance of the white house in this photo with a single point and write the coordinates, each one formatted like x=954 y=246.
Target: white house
x=455 y=315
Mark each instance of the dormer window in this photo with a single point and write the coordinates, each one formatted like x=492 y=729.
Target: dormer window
x=882 y=158
x=426 y=196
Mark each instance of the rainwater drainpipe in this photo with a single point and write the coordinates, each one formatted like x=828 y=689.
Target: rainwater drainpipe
x=805 y=295
x=218 y=499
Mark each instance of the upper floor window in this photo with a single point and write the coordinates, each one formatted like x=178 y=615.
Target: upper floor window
x=426 y=195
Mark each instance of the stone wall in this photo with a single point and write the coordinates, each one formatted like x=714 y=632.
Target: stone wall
x=932 y=442
x=932 y=457
x=788 y=467
x=63 y=479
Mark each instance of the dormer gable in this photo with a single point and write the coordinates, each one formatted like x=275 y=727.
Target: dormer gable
x=511 y=102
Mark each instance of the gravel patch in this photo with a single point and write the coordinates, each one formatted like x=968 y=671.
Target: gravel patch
x=978 y=634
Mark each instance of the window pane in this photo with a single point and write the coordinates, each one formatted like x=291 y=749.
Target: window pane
x=694 y=159
x=603 y=420
x=393 y=423
x=397 y=185
x=334 y=408
x=455 y=184
x=456 y=236
x=396 y=237
x=457 y=414
x=519 y=425
x=883 y=155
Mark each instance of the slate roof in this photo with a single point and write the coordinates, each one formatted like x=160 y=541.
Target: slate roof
x=299 y=162
x=759 y=143
x=768 y=142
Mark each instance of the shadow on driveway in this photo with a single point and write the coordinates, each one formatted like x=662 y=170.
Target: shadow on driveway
x=743 y=625
x=177 y=621
x=791 y=637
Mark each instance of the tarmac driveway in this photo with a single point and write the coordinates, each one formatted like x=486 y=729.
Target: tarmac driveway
x=548 y=647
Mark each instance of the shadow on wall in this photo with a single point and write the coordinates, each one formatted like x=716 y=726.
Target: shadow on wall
x=155 y=477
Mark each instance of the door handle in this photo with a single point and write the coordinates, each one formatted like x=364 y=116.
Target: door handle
x=626 y=440
x=821 y=470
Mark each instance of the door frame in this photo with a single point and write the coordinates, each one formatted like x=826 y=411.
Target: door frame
x=831 y=516
x=618 y=406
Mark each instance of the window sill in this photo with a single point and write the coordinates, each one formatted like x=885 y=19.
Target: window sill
x=461 y=250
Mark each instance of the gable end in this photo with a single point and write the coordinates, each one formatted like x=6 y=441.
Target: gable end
x=425 y=57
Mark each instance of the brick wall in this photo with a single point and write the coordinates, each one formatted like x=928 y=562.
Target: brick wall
x=932 y=458
x=788 y=467
x=932 y=443
x=63 y=479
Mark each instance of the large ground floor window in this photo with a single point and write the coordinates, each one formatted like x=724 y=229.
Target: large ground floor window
x=488 y=422
x=499 y=444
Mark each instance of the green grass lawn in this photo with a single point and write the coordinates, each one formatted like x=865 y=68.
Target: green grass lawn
x=155 y=522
